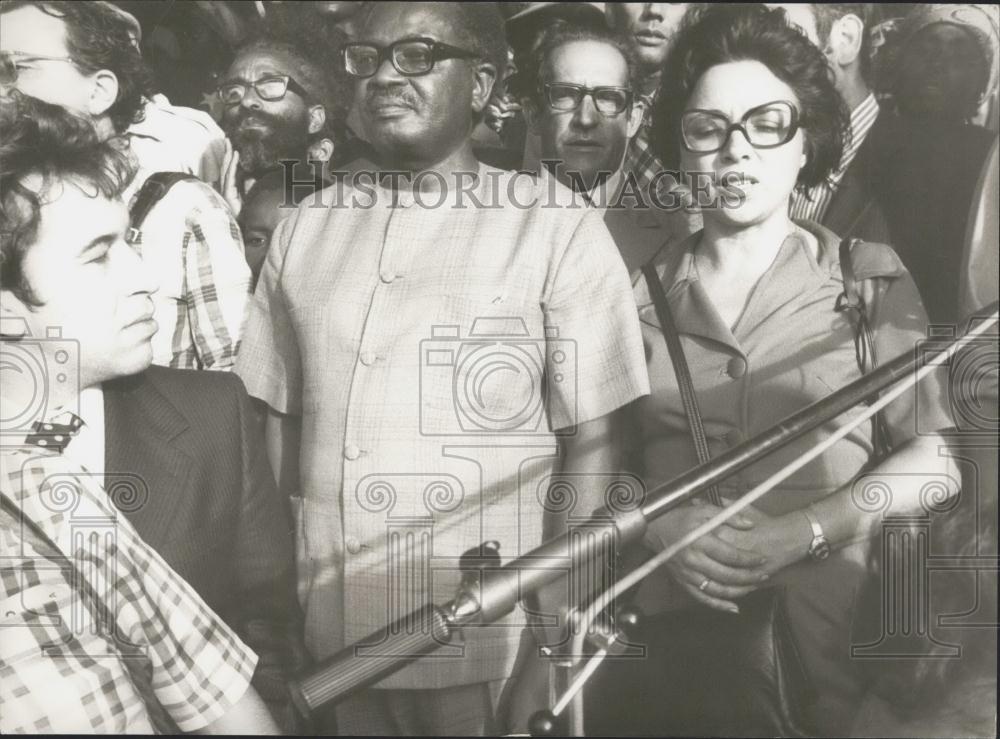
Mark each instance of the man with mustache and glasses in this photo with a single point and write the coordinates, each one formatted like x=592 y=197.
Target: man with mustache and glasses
x=433 y=345
x=648 y=29
x=81 y=56
x=585 y=112
x=283 y=99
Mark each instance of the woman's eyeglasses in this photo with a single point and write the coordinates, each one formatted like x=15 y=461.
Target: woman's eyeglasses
x=269 y=88
x=410 y=57
x=566 y=97
x=766 y=126
x=9 y=61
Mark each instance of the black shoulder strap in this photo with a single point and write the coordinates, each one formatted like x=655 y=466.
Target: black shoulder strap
x=684 y=381
x=152 y=191
x=851 y=302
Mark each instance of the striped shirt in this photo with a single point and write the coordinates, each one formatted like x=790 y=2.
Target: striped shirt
x=813 y=204
x=195 y=248
x=86 y=606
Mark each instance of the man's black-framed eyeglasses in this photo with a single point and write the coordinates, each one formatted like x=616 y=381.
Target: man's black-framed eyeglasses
x=566 y=97
x=410 y=57
x=272 y=87
x=766 y=126
x=10 y=59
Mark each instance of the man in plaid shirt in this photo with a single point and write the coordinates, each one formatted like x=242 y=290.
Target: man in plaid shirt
x=75 y=300
x=80 y=56
x=100 y=635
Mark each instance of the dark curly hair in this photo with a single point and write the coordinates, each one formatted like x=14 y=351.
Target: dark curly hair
x=99 y=38
x=40 y=139
x=718 y=34
x=567 y=32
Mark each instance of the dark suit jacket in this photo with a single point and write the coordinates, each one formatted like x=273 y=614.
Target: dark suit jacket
x=187 y=442
x=911 y=186
x=854 y=210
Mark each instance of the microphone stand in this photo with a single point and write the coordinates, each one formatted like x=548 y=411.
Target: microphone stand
x=494 y=590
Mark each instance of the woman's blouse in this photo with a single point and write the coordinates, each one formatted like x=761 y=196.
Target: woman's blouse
x=788 y=349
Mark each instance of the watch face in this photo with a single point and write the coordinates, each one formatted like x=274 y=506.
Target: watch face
x=820 y=548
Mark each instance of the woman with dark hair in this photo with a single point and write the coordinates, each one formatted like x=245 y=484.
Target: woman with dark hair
x=747 y=105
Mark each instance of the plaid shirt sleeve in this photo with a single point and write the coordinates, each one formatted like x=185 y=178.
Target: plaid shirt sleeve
x=216 y=280
x=199 y=667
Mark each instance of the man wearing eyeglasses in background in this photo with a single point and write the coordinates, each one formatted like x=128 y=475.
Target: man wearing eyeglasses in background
x=369 y=313
x=585 y=112
x=285 y=98
x=80 y=56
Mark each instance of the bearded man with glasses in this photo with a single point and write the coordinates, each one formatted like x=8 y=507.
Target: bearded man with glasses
x=366 y=338
x=284 y=99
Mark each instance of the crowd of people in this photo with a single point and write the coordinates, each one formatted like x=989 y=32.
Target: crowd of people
x=376 y=287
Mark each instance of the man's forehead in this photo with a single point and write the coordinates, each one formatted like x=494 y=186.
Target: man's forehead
x=389 y=22
x=588 y=62
x=29 y=30
x=253 y=62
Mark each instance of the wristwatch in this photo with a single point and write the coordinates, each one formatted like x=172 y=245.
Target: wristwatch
x=819 y=547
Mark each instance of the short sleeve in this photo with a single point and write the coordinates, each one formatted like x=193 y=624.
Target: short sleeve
x=269 y=362
x=899 y=324
x=590 y=312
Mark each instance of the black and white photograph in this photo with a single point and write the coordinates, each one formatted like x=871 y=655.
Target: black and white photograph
x=499 y=368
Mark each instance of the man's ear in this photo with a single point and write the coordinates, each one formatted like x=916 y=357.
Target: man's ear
x=846 y=39
x=317 y=118
x=321 y=151
x=635 y=115
x=483 y=82
x=103 y=93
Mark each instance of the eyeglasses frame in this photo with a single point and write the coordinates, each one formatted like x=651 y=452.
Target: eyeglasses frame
x=793 y=126
x=440 y=51
x=588 y=91
x=290 y=84
x=9 y=55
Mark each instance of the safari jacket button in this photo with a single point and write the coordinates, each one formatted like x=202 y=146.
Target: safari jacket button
x=736 y=368
x=733 y=438
x=353 y=545
x=352 y=452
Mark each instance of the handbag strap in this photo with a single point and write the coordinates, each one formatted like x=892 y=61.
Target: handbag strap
x=679 y=361
x=851 y=302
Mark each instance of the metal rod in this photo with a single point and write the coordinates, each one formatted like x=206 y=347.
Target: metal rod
x=502 y=588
